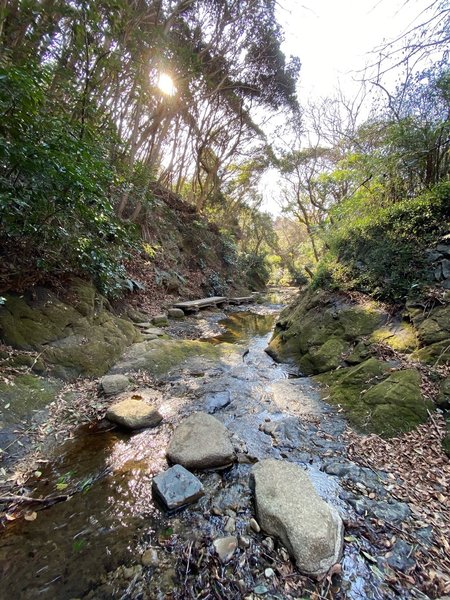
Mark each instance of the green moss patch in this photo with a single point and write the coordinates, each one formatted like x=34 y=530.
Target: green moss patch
x=318 y=330
x=24 y=394
x=159 y=356
x=401 y=337
x=376 y=400
x=77 y=337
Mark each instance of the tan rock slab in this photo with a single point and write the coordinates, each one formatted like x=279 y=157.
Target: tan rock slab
x=133 y=414
x=289 y=508
x=201 y=442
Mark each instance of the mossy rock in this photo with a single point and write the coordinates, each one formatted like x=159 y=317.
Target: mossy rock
x=80 y=338
x=434 y=354
x=317 y=330
x=398 y=336
x=159 y=356
x=324 y=358
x=446 y=440
x=443 y=399
x=376 y=400
x=361 y=352
x=398 y=404
x=24 y=394
x=432 y=326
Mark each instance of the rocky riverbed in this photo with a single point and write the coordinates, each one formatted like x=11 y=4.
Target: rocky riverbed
x=111 y=536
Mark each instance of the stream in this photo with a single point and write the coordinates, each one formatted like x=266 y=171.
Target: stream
x=91 y=546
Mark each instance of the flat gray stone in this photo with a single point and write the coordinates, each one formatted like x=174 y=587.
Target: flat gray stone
x=201 y=442
x=177 y=487
x=289 y=508
x=114 y=384
x=133 y=414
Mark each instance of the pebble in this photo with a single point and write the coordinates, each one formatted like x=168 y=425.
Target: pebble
x=260 y=590
x=225 y=547
x=230 y=525
x=244 y=541
x=269 y=544
x=269 y=573
x=149 y=558
x=255 y=525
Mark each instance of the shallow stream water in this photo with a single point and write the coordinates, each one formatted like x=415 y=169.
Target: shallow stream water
x=90 y=546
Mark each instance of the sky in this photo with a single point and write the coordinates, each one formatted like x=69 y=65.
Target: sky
x=334 y=38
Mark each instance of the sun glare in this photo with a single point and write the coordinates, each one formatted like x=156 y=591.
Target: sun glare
x=166 y=84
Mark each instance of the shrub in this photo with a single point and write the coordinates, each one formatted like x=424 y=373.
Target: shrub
x=55 y=216
x=382 y=252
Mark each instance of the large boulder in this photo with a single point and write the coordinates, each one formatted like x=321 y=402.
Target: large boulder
x=133 y=413
x=319 y=330
x=77 y=335
x=201 y=442
x=289 y=508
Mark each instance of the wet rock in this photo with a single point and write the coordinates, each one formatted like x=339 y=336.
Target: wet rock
x=114 y=384
x=225 y=547
x=216 y=401
x=255 y=525
x=133 y=414
x=175 y=313
x=261 y=590
x=244 y=541
x=160 y=320
x=230 y=525
x=149 y=558
x=177 y=487
x=400 y=556
x=289 y=508
x=201 y=442
x=392 y=512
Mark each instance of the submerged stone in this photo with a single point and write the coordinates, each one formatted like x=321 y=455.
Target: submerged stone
x=177 y=487
x=201 y=442
x=133 y=414
x=289 y=508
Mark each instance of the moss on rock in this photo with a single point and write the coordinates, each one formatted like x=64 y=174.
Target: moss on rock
x=375 y=400
x=159 y=356
x=24 y=394
x=77 y=337
x=320 y=328
x=398 y=336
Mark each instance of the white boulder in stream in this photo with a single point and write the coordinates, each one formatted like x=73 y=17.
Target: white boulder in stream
x=289 y=508
x=201 y=442
x=133 y=413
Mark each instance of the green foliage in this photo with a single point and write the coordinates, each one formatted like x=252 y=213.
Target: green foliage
x=254 y=268
x=382 y=250
x=54 y=181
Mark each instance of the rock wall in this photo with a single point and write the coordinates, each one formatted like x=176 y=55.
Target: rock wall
x=76 y=336
x=336 y=340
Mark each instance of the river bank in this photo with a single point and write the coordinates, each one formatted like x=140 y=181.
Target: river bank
x=111 y=540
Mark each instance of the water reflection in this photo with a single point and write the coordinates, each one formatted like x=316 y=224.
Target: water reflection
x=241 y=327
